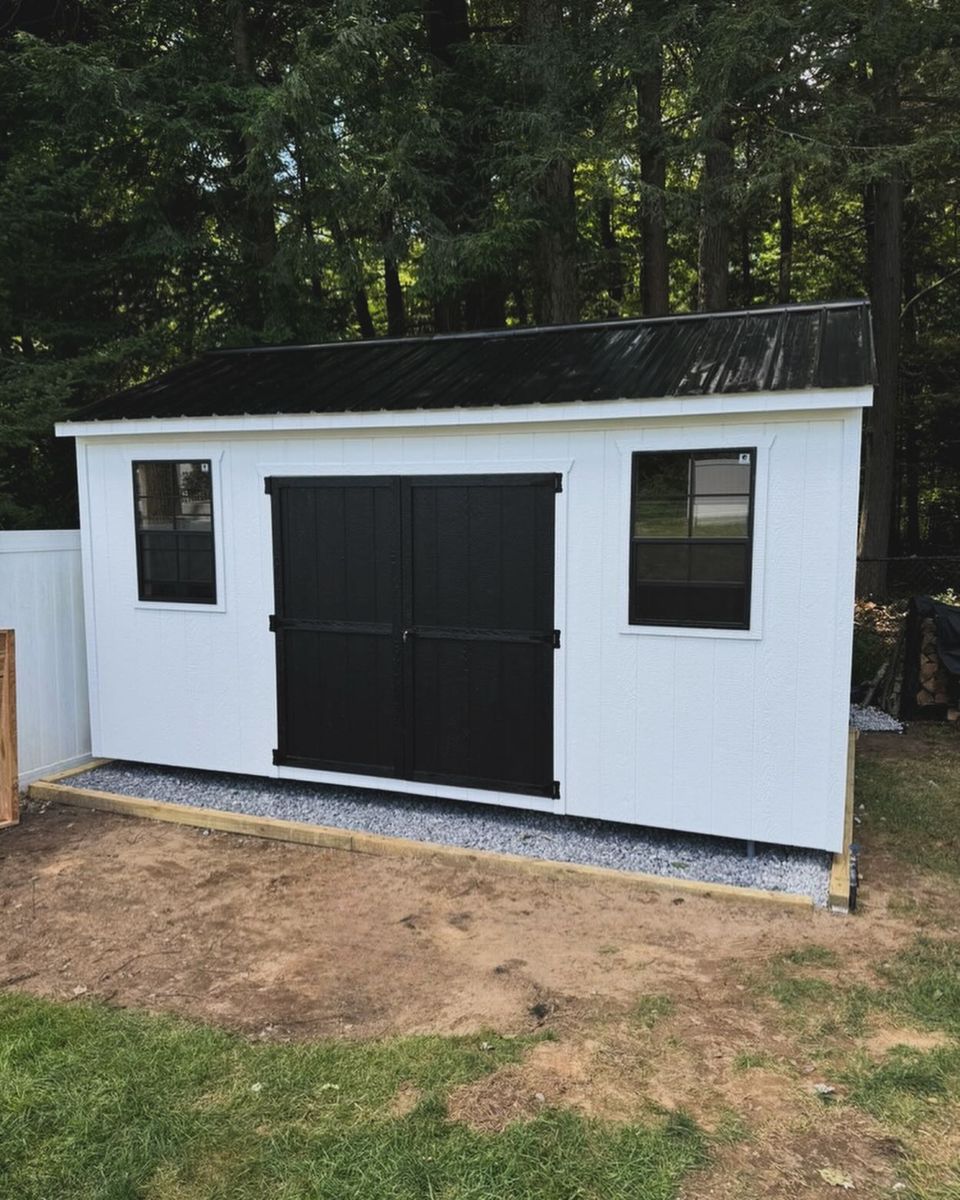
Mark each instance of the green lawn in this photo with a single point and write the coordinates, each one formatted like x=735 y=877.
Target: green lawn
x=109 y=1105
x=911 y=804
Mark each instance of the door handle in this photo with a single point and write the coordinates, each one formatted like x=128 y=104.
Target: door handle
x=407 y=634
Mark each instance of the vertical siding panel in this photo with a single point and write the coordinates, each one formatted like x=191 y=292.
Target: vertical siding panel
x=654 y=722
x=614 y=678
x=733 y=700
x=775 y=705
x=819 y=571
x=692 y=733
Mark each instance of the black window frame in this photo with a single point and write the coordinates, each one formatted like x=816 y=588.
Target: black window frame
x=182 y=537
x=746 y=541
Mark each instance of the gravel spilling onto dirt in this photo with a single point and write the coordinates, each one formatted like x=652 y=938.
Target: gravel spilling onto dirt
x=873 y=720
x=477 y=827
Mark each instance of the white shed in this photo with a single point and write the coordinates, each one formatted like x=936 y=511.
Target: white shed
x=604 y=570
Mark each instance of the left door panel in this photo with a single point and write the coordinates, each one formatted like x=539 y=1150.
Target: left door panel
x=337 y=586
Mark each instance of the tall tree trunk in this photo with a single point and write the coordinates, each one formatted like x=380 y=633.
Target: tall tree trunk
x=485 y=303
x=911 y=440
x=307 y=231
x=556 y=289
x=613 y=262
x=885 y=202
x=655 y=260
x=714 y=265
x=361 y=306
x=258 y=231
x=785 y=272
x=396 y=309
x=448 y=26
x=520 y=303
x=746 y=264
x=352 y=268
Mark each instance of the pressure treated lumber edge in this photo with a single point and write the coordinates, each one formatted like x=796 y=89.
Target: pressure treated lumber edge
x=838 y=892
x=329 y=838
x=9 y=777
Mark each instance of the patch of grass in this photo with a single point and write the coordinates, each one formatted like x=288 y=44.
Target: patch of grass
x=108 y=1105
x=753 y=1060
x=608 y=949
x=793 y=991
x=908 y=1085
x=913 y=805
x=811 y=956
x=924 y=984
x=730 y=1129
x=649 y=1010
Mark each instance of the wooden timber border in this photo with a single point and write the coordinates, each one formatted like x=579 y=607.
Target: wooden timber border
x=9 y=779
x=54 y=790
x=838 y=893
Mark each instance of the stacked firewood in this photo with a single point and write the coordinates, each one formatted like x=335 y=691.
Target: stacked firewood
x=934 y=681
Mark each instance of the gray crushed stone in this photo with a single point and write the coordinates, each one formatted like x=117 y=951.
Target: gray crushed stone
x=477 y=827
x=873 y=720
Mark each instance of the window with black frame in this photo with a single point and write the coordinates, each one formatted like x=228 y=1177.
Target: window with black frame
x=174 y=523
x=691 y=538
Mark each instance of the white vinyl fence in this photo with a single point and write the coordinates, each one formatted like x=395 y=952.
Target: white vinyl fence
x=41 y=599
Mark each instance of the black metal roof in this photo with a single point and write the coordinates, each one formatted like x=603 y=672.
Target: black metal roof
x=791 y=348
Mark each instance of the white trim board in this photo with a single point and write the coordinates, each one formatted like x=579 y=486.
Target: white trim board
x=815 y=399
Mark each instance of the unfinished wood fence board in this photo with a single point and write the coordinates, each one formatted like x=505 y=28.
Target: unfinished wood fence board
x=377 y=844
x=838 y=893
x=9 y=784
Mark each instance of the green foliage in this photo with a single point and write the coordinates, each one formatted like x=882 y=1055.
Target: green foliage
x=177 y=176
x=102 y=1104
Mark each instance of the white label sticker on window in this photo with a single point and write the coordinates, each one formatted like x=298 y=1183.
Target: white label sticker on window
x=204 y=466
x=744 y=460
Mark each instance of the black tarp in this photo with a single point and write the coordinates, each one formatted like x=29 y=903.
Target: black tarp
x=946 y=623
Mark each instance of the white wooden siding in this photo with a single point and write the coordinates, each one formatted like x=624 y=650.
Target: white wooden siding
x=735 y=733
x=41 y=599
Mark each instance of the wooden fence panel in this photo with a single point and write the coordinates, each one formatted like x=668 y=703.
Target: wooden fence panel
x=9 y=779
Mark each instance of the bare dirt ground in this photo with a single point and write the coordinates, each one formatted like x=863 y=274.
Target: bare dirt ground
x=284 y=941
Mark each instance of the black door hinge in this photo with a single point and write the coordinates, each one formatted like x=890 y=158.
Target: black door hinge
x=556 y=639
x=555 y=789
x=276 y=758
x=268 y=485
x=273 y=623
x=558 y=482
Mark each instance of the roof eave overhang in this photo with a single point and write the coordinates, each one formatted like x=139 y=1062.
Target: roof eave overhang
x=732 y=404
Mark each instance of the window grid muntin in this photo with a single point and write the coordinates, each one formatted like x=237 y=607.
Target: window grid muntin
x=693 y=586
x=185 y=541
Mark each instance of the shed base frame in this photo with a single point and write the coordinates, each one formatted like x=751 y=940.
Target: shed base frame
x=54 y=789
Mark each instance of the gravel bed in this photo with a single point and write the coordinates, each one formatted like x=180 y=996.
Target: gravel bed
x=873 y=720
x=477 y=826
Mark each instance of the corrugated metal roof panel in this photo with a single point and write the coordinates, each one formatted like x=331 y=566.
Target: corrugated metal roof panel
x=781 y=349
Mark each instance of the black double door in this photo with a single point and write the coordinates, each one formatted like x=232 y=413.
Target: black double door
x=415 y=627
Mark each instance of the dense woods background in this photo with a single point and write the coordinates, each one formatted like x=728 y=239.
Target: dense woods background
x=178 y=175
